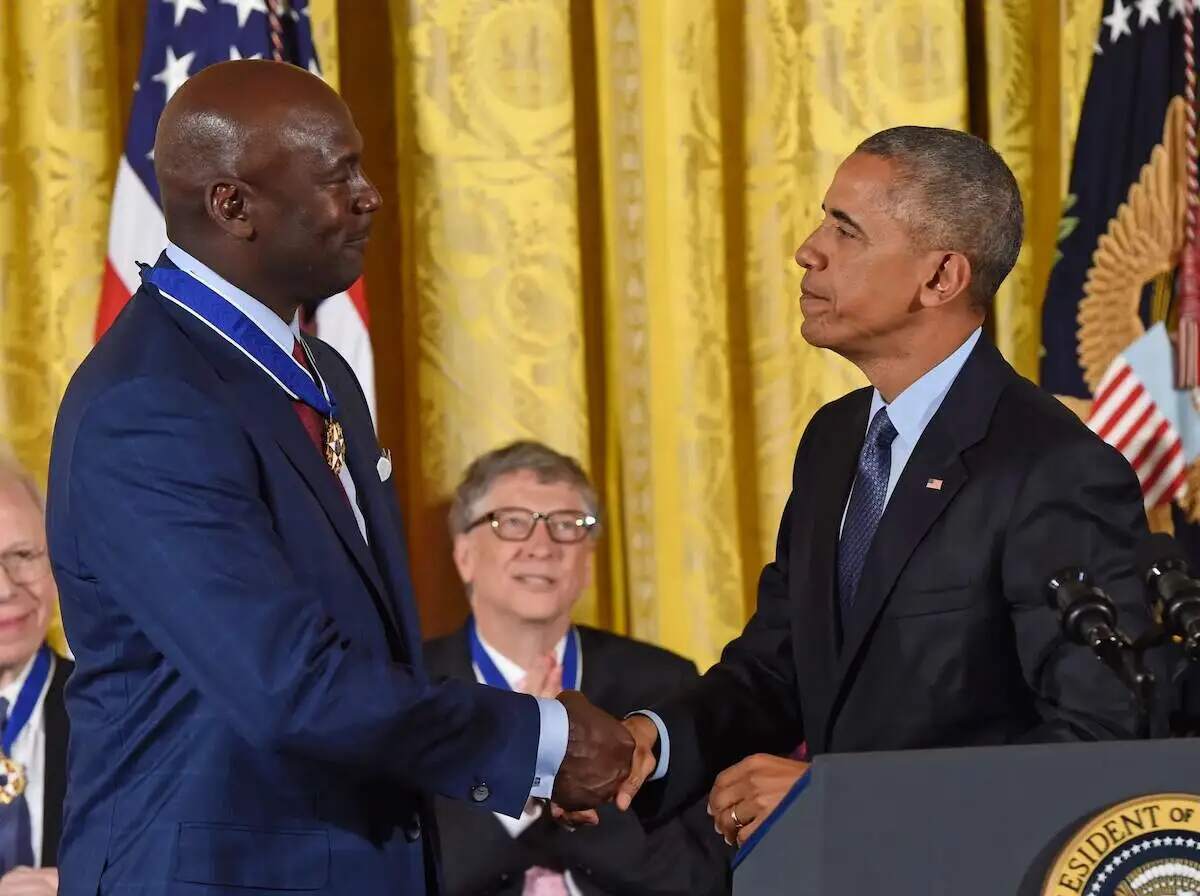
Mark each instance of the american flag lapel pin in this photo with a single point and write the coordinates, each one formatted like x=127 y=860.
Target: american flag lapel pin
x=935 y=484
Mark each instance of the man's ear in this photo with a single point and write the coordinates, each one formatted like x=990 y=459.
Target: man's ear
x=464 y=559
x=228 y=204
x=950 y=280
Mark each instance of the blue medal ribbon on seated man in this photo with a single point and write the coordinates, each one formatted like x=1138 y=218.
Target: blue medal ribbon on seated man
x=571 y=668
x=12 y=775
x=218 y=314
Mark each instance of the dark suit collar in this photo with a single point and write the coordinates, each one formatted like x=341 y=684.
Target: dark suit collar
x=54 y=713
x=918 y=498
x=264 y=408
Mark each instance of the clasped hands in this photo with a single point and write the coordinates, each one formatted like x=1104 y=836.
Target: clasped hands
x=606 y=761
x=609 y=761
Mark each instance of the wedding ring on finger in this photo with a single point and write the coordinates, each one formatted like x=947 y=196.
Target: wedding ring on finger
x=737 y=822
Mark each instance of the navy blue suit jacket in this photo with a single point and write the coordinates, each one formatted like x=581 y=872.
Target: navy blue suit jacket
x=249 y=712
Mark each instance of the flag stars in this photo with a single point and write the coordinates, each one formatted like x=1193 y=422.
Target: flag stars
x=1178 y=7
x=235 y=53
x=175 y=72
x=245 y=7
x=1148 y=12
x=1118 y=21
x=183 y=7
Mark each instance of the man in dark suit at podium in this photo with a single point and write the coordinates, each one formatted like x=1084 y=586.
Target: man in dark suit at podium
x=525 y=520
x=906 y=607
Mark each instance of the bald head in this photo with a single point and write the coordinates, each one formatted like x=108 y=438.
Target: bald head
x=258 y=166
x=234 y=120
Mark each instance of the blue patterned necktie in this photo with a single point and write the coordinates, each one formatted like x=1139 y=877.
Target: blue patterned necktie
x=866 y=506
x=16 y=842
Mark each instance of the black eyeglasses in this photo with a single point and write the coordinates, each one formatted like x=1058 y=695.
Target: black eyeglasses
x=517 y=524
x=24 y=565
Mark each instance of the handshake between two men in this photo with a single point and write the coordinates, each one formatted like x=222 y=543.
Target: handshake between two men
x=609 y=761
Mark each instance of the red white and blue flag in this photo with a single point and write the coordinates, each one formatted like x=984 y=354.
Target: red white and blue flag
x=1139 y=412
x=182 y=37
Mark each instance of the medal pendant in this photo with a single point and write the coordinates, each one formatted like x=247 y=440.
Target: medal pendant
x=12 y=780
x=335 y=446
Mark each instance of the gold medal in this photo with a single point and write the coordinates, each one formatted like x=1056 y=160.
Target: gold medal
x=12 y=780
x=335 y=445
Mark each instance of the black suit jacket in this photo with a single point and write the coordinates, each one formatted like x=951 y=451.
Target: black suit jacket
x=54 y=789
x=951 y=641
x=683 y=856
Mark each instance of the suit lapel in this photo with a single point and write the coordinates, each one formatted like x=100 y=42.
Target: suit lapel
x=960 y=422
x=264 y=408
x=54 y=713
x=378 y=507
x=819 y=498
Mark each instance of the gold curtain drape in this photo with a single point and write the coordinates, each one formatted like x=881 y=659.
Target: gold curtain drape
x=591 y=209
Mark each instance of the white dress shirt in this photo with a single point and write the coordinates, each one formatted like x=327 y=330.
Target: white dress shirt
x=29 y=751
x=513 y=674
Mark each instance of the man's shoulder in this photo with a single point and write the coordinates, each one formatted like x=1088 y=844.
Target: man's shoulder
x=143 y=344
x=841 y=409
x=610 y=648
x=1029 y=416
x=447 y=654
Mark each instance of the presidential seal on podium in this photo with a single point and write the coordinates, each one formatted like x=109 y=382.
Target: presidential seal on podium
x=1148 y=846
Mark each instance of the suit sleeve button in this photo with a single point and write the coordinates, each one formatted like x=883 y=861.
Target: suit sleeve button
x=480 y=793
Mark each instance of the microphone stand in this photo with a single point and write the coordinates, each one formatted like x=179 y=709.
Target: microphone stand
x=1088 y=617
x=1180 y=723
x=1138 y=679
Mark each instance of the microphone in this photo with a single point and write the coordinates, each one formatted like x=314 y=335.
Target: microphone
x=1173 y=593
x=1088 y=615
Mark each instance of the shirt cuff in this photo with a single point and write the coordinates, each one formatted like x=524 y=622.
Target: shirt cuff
x=552 y=746
x=664 y=743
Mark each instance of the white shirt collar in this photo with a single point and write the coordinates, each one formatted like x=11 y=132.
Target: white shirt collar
x=511 y=671
x=267 y=320
x=10 y=691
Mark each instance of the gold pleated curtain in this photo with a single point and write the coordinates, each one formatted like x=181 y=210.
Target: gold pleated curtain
x=590 y=214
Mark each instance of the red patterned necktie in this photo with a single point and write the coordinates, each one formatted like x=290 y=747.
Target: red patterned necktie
x=309 y=418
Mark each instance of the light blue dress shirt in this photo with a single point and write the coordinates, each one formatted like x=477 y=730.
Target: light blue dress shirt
x=910 y=412
x=552 y=742
x=281 y=333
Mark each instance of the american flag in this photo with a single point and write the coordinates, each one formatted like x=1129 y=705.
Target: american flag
x=1138 y=412
x=182 y=37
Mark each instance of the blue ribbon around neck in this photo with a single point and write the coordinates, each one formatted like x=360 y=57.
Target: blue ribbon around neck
x=221 y=315
x=493 y=676
x=27 y=699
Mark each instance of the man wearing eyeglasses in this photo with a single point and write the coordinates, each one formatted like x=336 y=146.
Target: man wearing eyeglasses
x=33 y=717
x=525 y=521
